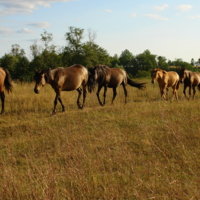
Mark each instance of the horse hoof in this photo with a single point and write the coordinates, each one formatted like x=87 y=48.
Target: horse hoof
x=53 y=113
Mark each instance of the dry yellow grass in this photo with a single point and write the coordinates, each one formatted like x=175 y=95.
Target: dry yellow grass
x=146 y=149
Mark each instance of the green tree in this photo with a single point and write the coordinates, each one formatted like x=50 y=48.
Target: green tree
x=73 y=52
x=126 y=58
x=9 y=62
x=162 y=63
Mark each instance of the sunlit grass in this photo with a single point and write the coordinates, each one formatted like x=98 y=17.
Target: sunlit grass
x=145 y=149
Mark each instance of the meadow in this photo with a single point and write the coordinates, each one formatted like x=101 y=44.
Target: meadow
x=145 y=149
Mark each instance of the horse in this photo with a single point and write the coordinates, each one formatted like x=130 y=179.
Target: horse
x=165 y=80
x=72 y=78
x=110 y=78
x=5 y=84
x=191 y=80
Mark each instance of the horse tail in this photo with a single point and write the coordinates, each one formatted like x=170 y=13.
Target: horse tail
x=135 y=84
x=7 y=81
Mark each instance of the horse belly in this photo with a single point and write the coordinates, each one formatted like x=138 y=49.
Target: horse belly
x=71 y=85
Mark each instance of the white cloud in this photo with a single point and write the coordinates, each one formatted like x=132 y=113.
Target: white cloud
x=25 y=30
x=161 y=7
x=156 y=17
x=5 y=31
x=195 y=17
x=40 y=24
x=10 y=7
x=134 y=15
x=184 y=7
x=108 y=11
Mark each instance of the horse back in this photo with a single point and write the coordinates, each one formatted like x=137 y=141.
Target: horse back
x=70 y=78
x=171 y=78
x=116 y=77
x=195 y=78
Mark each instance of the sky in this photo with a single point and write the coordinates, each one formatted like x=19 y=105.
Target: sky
x=168 y=28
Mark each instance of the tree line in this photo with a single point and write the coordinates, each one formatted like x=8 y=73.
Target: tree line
x=86 y=53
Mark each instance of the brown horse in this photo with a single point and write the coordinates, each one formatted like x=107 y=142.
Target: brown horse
x=64 y=79
x=112 y=78
x=190 y=79
x=165 y=80
x=5 y=83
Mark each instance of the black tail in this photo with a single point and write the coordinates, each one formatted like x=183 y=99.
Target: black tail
x=135 y=84
x=7 y=82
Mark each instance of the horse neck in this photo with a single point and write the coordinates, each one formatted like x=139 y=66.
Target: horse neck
x=160 y=75
x=49 y=75
x=102 y=73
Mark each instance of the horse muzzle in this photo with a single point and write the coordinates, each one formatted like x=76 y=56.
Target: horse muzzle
x=36 y=91
x=152 y=81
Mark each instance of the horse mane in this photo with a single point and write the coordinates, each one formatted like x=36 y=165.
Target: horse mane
x=102 y=71
x=48 y=75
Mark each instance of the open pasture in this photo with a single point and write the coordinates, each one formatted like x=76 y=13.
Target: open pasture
x=145 y=149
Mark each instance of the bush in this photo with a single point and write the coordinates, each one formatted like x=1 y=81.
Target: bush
x=142 y=74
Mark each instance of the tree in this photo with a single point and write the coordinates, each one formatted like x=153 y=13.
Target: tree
x=126 y=58
x=73 y=52
x=74 y=38
x=47 y=38
x=17 y=51
x=162 y=62
x=35 y=49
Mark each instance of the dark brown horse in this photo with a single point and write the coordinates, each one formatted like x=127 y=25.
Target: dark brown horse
x=191 y=80
x=112 y=78
x=5 y=83
x=64 y=79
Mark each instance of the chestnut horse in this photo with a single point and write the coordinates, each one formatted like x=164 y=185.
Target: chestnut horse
x=5 y=83
x=64 y=79
x=190 y=79
x=165 y=80
x=112 y=78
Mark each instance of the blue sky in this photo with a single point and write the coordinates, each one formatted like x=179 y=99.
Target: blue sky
x=167 y=28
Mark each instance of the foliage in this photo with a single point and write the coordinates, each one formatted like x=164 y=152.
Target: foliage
x=142 y=74
x=87 y=53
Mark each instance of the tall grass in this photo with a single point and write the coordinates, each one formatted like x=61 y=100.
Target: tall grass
x=145 y=149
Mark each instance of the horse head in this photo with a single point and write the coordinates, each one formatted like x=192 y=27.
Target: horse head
x=92 y=79
x=183 y=74
x=41 y=78
x=154 y=75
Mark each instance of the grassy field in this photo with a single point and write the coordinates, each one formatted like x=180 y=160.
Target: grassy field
x=146 y=149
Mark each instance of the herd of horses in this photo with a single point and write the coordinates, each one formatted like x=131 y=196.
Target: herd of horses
x=78 y=77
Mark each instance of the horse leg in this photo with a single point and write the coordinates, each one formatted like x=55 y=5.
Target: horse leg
x=189 y=91
x=162 y=93
x=174 y=92
x=104 y=94
x=63 y=107
x=114 y=94
x=98 y=91
x=184 y=91
x=2 y=101
x=125 y=92
x=55 y=103
x=84 y=95
x=194 y=91
x=79 y=96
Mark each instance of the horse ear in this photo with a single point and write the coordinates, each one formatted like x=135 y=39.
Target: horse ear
x=164 y=72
